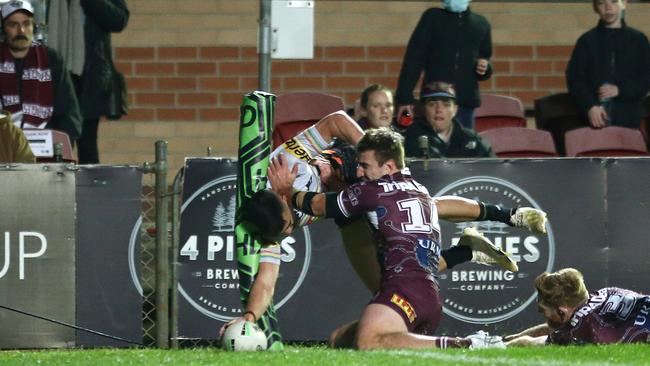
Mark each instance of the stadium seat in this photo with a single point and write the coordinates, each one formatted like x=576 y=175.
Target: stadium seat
x=57 y=137
x=296 y=111
x=608 y=141
x=558 y=113
x=498 y=111
x=520 y=142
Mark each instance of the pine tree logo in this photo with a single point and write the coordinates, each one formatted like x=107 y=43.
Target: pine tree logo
x=503 y=294
x=224 y=218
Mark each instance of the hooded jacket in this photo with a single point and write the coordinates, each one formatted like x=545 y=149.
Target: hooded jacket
x=445 y=46
x=619 y=56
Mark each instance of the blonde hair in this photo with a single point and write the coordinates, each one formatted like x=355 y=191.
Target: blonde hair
x=565 y=287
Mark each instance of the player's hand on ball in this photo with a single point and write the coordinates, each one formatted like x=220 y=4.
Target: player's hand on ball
x=223 y=328
x=529 y=218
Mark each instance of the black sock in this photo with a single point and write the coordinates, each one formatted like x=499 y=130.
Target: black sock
x=456 y=255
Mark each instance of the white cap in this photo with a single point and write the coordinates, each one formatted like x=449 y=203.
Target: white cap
x=15 y=5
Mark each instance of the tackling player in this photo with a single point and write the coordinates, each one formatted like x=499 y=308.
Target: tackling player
x=407 y=308
x=574 y=316
x=269 y=218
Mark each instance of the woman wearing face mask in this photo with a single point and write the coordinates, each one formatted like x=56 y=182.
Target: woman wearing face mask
x=450 y=44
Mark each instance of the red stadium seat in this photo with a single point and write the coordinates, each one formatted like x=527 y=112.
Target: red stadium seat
x=608 y=141
x=296 y=111
x=498 y=111
x=558 y=113
x=520 y=142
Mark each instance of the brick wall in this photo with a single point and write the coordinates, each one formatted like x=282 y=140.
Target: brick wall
x=186 y=81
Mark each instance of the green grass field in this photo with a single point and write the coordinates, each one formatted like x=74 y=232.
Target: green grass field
x=293 y=355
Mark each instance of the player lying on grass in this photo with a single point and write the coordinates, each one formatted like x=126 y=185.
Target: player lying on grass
x=575 y=316
x=407 y=309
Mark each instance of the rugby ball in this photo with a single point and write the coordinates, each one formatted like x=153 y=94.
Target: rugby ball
x=243 y=336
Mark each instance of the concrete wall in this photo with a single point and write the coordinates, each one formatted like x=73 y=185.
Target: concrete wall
x=189 y=62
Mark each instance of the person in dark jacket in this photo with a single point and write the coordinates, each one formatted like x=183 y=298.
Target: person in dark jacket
x=81 y=30
x=439 y=134
x=609 y=70
x=103 y=17
x=454 y=45
x=34 y=86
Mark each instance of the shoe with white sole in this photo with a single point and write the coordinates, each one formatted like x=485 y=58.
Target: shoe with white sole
x=482 y=339
x=484 y=252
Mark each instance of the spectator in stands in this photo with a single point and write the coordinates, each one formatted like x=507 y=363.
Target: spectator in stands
x=454 y=45
x=88 y=57
x=574 y=316
x=609 y=70
x=376 y=107
x=14 y=147
x=439 y=134
x=34 y=86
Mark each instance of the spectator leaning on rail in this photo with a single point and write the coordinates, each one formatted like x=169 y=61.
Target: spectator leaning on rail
x=438 y=134
x=34 y=86
x=609 y=70
x=454 y=45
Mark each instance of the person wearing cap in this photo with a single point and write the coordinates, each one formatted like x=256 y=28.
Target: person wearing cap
x=81 y=31
x=438 y=134
x=609 y=70
x=34 y=86
x=14 y=147
x=451 y=44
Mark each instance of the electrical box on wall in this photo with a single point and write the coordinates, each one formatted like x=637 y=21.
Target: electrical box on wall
x=292 y=29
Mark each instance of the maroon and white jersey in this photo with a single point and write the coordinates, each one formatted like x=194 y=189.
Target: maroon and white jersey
x=611 y=315
x=406 y=220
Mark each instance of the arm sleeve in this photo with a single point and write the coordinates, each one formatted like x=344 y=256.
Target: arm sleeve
x=24 y=153
x=414 y=59
x=111 y=15
x=271 y=254
x=356 y=199
x=577 y=79
x=485 y=51
x=634 y=89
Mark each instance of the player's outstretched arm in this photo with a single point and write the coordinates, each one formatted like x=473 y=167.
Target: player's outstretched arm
x=527 y=341
x=260 y=296
x=339 y=125
x=457 y=209
x=534 y=331
x=311 y=203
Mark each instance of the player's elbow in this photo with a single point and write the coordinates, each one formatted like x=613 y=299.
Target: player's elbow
x=367 y=341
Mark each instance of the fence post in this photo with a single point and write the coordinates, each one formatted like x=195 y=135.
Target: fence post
x=162 y=248
x=176 y=229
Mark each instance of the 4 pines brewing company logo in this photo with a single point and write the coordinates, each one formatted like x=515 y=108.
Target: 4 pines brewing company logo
x=488 y=294
x=208 y=277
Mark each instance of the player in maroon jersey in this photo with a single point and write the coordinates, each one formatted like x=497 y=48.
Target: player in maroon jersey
x=407 y=308
x=574 y=316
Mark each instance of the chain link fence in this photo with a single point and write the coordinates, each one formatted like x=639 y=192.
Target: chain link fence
x=148 y=260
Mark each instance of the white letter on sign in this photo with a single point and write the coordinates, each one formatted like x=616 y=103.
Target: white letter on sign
x=21 y=253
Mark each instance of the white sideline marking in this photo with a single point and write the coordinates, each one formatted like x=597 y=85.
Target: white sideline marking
x=465 y=359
